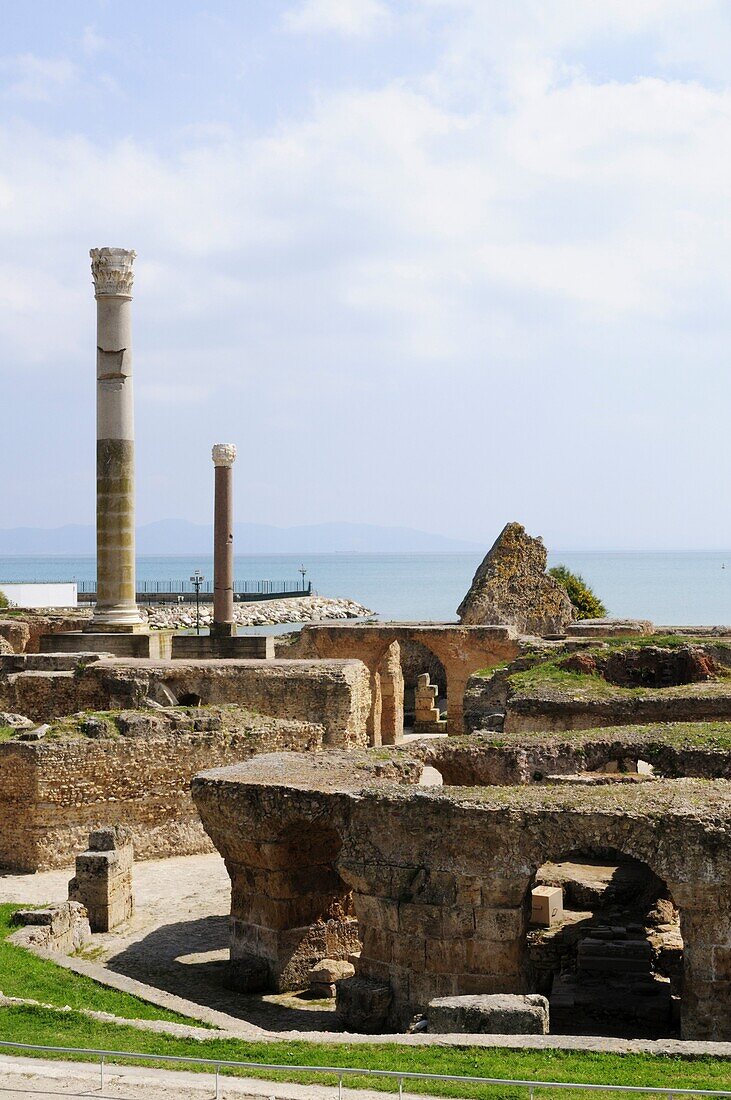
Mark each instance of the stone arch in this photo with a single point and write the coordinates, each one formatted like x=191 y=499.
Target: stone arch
x=699 y=890
x=612 y=963
x=293 y=909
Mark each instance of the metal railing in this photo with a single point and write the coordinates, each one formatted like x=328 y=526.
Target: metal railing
x=341 y=1072
x=183 y=587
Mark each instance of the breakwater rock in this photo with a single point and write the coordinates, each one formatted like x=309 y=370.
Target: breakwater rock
x=301 y=609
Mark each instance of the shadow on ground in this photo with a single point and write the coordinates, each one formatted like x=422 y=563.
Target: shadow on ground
x=190 y=959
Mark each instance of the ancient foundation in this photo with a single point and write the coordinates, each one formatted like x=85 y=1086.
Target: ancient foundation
x=440 y=879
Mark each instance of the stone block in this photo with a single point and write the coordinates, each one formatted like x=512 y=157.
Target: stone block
x=325 y=975
x=61 y=928
x=363 y=1005
x=499 y=925
x=103 y=881
x=500 y=1014
x=546 y=905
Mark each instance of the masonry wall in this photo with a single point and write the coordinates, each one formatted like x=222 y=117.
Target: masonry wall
x=53 y=793
x=441 y=878
x=333 y=693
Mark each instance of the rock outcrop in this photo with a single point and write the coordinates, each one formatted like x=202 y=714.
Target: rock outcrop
x=511 y=587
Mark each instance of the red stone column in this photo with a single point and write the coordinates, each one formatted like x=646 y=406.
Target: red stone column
x=223 y=625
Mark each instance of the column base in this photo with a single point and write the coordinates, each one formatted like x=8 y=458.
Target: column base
x=112 y=620
x=223 y=630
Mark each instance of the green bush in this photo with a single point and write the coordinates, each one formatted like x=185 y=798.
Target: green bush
x=586 y=604
x=4 y=601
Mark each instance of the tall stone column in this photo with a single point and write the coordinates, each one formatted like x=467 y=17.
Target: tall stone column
x=223 y=625
x=116 y=606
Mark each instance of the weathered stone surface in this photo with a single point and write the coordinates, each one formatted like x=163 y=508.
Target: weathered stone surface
x=16 y=633
x=325 y=975
x=609 y=628
x=15 y=721
x=331 y=970
x=499 y=1014
x=333 y=693
x=5 y=646
x=441 y=877
x=511 y=587
x=103 y=881
x=52 y=792
x=362 y=1005
x=24 y=634
x=63 y=928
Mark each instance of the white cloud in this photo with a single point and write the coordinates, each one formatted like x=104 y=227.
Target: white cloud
x=36 y=79
x=446 y=256
x=92 y=43
x=351 y=18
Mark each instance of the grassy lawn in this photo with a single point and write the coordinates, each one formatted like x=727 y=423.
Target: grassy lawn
x=23 y=974
x=50 y=1028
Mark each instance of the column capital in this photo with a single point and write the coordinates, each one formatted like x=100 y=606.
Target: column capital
x=223 y=454
x=111 y=269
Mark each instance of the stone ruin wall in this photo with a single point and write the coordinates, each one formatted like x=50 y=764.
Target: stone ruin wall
x=335 y=694
x=482 y=760
x=54 y=793
x=24 y=634
x=440 y=880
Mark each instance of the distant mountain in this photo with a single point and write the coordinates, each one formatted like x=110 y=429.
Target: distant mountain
x=179 y=536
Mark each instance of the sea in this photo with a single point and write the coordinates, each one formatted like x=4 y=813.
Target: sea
x=691 y=588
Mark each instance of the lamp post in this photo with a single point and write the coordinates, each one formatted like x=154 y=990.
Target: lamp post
x=303 y=571
x=197 y=580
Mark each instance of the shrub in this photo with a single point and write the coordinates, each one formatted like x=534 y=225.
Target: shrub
x=4 y=601
x=586 y=604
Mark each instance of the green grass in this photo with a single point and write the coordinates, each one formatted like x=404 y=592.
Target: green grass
x=49 y=1028
x=693 y=735
x=549 y=675
x=23 y=974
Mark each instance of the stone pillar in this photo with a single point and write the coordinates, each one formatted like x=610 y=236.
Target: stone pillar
x=223 y=625
x=392 y=696
x=103 y=880
x=116 y=606
x=426 y=712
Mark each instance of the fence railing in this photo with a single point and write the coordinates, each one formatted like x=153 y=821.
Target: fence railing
x=341 y=1072
x=185 y=587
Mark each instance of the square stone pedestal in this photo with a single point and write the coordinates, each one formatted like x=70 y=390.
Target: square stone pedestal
x=154 y=645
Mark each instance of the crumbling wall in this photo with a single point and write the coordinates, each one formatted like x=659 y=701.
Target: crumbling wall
x=53 y=793
x=335 y=694
x=441 y=878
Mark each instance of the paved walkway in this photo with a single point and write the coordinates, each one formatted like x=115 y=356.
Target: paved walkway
x=177 y=940
x=32 y=1077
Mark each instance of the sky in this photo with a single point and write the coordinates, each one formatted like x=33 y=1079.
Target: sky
x=435 y=263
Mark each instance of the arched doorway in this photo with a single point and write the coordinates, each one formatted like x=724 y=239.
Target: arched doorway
x=604 y=944
x=418 y=660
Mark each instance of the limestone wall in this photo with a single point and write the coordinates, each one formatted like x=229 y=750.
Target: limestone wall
x=334 y=693
x=53 y=793
x=441 y=878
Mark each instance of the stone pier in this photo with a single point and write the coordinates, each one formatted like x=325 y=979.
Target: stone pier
x=223 y=625
x=116 y=607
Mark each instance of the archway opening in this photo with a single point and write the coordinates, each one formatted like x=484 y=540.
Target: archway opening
x=189 y=699
x=317 y=906
x=604 y=945
x=425 y=704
